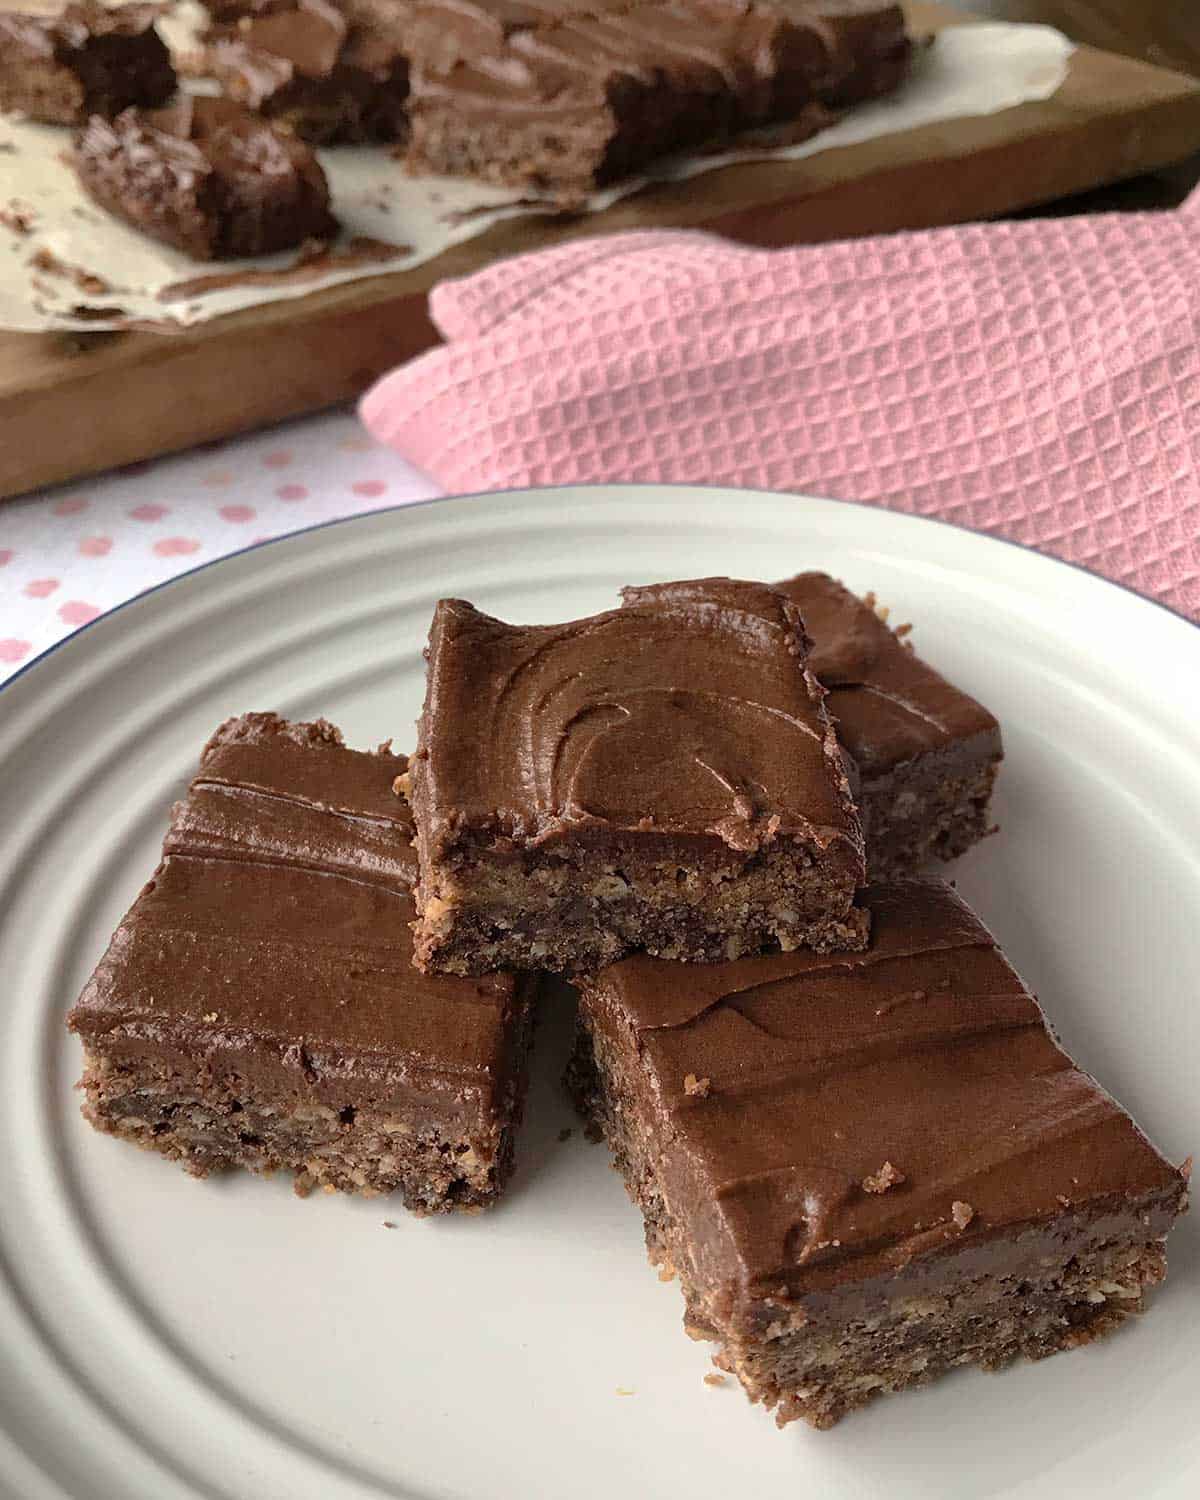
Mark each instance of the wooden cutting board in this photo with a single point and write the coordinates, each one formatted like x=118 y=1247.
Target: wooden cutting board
x=72 y=405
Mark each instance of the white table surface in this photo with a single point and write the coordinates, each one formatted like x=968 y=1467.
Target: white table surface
x=69 y=554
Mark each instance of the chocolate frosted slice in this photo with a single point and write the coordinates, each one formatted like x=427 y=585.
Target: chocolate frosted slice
x=208 y=177
x=661 y=776
x=327 y=72
x=85 y=59
x=927 y=753
x=565 y=97
x=867 y=1168
x=258 y=1006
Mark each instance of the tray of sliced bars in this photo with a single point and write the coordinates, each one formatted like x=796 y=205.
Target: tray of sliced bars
x=276 y=184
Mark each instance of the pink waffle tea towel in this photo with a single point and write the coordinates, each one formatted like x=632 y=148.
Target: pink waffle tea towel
x=1036 y=380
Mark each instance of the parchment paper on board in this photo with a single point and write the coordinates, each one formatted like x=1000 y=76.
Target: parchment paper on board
x=65 y=264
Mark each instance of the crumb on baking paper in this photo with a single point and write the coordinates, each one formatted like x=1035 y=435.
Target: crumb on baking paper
x=96 y=314
x=45 y=260
x=625 y=1390
x=565 y=1133
x=712 y=1378
x=697 y=1086
x=888 y=1176
x=666 y=1273
x=389 y=1224
x=962 y=1213
x=18 y=216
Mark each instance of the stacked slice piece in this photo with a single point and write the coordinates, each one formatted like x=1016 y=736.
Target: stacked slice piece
x=662 y=776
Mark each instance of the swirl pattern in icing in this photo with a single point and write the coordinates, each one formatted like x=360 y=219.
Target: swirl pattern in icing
x=686 y=712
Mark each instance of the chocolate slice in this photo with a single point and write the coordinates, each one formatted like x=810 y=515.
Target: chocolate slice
x=258 y=1007
x=927 y=753
x=207 y=177
x=318 y=69
x=661 y=776
x=83 y=60
x=563 y=98
x=869 y=1168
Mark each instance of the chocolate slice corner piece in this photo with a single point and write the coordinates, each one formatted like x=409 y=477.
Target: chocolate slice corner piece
x=867 y=1169
x=258 y=1006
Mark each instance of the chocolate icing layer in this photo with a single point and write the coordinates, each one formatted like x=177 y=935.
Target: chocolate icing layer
x=265 y=947
x=687 y=712
x=442 y=33
x=889 y=705
x=262 y=795
x=760 y=59
x=778 y=1087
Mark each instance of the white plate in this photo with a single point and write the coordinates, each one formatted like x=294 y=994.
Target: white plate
x=163 y=1338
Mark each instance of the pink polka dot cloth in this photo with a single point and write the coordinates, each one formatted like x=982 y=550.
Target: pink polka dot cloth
x=67 y=556
x=1037 y=380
